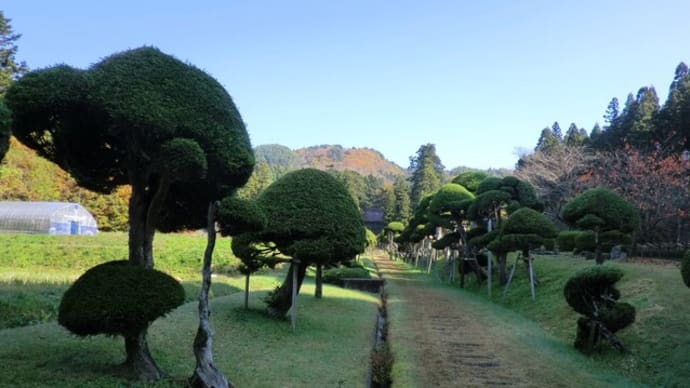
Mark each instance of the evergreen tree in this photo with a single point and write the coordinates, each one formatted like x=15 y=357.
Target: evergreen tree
x=389 y=204
x=673 y=121
x=681 y=72
x=612 y=112
x=595 y=134
x=261 y=178
x=557 y=132
x=10 y=69
x=547 y=141
x=574 y=137
x=403 y=207
x=426 y=173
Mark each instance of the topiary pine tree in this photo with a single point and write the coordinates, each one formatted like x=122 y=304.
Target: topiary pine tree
x=592 y=293
x=312 y=219
x=143 y=118
x=242 y=219
x=601 y=210
x=470 y=180
x=523 y=231
x=496 y=199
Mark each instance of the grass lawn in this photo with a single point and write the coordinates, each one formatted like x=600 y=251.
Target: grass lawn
x=659 y=340
x=331 y=346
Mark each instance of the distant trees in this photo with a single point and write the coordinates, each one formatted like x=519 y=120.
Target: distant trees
x=556 y=175
x=403 y=203
x=143 y=118
x=5 y=122
x=426 y=173
x=10 y=68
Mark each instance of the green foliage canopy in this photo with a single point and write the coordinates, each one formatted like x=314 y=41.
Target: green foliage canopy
x=601 y=209
x=312 y=217
x=137 y=117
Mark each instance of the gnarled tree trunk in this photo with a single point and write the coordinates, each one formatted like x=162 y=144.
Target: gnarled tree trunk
x=282 y=297
x=206 y=375
x=139 y=358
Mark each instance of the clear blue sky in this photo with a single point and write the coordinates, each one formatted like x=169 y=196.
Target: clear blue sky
x=479 y=79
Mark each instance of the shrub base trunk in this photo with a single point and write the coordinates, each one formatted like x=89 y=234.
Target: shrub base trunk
x=139 y=358
x=281 y=299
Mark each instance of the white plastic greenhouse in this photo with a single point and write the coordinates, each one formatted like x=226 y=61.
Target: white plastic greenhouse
x=46 y=218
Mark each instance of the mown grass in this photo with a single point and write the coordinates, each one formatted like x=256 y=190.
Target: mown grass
x=561 y=364
x=331 y=346
x=658 y=340
x=35 y=270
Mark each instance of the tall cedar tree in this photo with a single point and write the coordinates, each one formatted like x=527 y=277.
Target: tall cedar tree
x=143 y=118
x=426 y=173
x=10 y=69
x=547 y=141
x=403 y=207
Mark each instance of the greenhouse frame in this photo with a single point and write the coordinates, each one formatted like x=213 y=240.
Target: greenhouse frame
x=55 y=218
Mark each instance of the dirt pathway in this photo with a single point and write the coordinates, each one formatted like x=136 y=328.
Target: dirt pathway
x=441 y=338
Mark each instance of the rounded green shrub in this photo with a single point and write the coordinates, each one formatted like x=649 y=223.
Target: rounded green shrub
x=116 y=298
x=593 y=284
x=685 y=268
x=618 y=316
x=566 y=240
x=585 y=242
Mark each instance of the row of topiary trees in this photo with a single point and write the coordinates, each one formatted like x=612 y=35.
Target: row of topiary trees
x=475 y=214
x=172 y=132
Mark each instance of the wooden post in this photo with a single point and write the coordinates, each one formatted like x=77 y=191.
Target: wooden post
x=489 y=227
x=510 y=278
x=293 y=308
x=531 y=275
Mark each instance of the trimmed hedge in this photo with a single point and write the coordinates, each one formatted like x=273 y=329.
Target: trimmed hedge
x=566 y=240
x=335 y=275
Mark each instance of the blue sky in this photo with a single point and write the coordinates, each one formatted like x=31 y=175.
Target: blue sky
x=479 y=79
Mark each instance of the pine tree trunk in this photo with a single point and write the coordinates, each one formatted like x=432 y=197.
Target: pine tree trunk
x=139 y=358
x=206 y=375
x=282 y=297
x=318 y=292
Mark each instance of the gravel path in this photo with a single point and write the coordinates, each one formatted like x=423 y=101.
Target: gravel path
x=452 y=347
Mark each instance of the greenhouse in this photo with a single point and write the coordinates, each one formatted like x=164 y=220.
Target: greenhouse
x=64 y=218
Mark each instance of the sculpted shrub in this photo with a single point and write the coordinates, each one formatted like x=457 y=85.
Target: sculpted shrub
x=592 y=293
x=116 y=298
